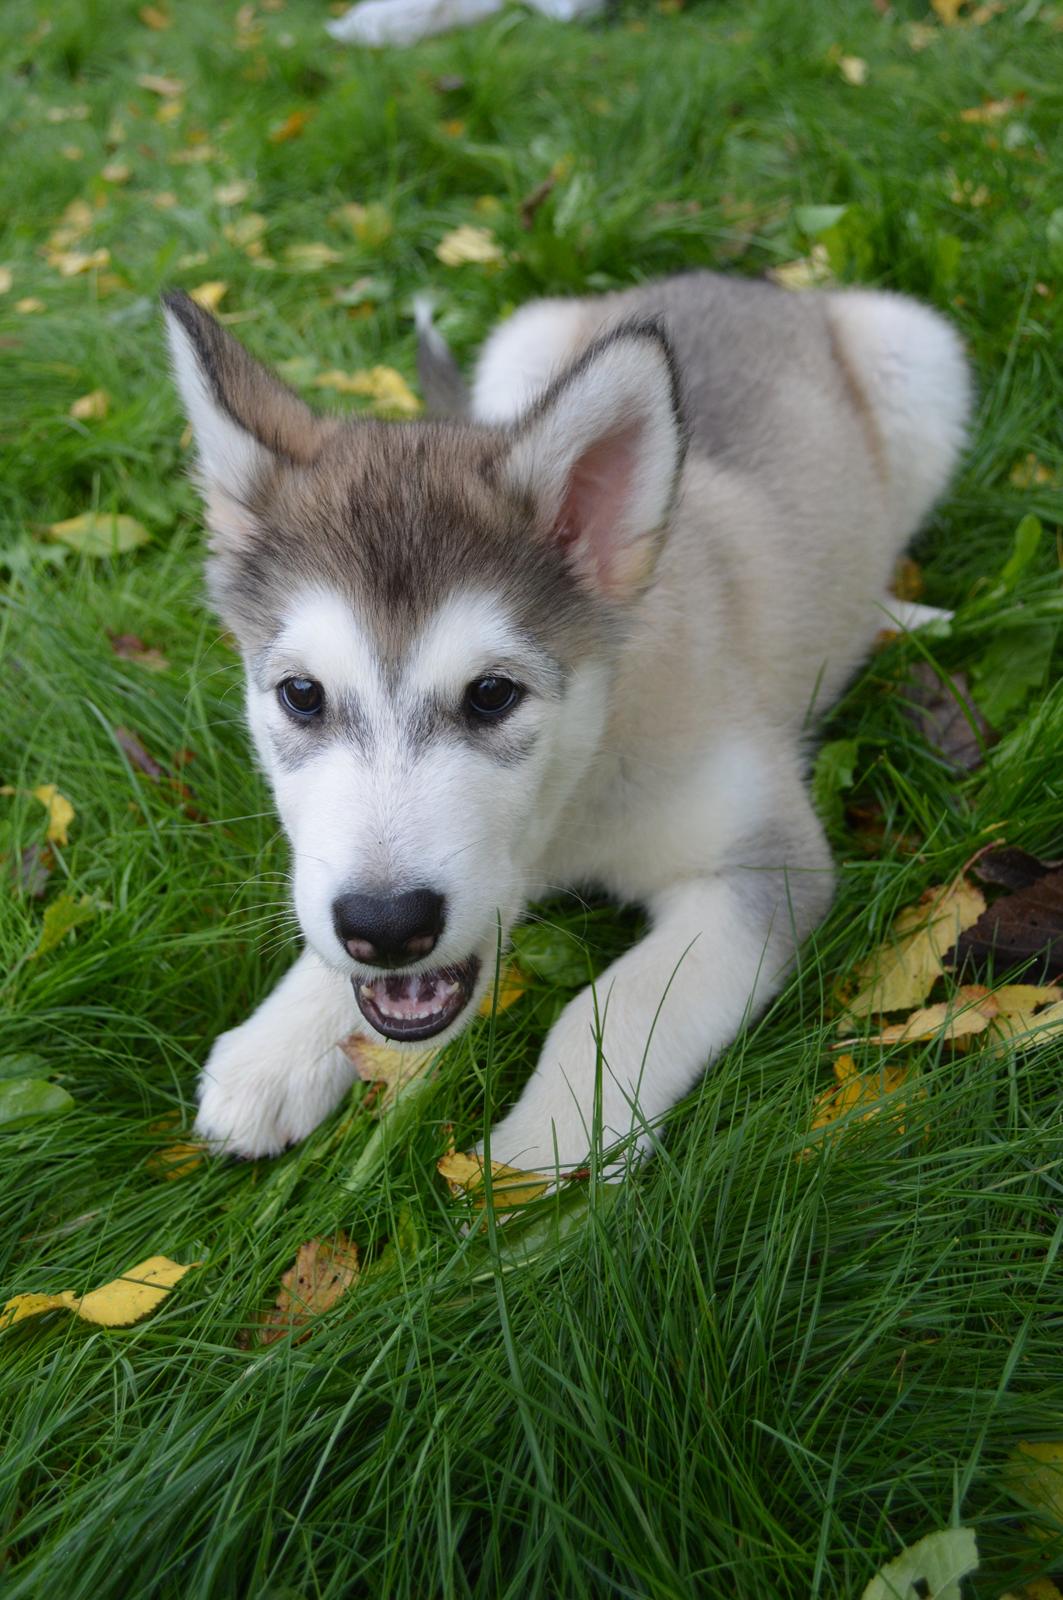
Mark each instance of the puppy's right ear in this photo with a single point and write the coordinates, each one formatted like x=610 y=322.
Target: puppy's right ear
x=243 y=417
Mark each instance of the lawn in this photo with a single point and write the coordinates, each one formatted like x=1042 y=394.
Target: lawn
x=744 y=1374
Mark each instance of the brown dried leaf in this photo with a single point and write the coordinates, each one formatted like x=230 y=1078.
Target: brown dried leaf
x=1018 y=929
x=942 y=709
x=901 y=973
x=33 y=869
x=132 y=648
x=535 y=198
x=1008 y=867
x=387 y=1069
x=138 y=756
x=321 y=1274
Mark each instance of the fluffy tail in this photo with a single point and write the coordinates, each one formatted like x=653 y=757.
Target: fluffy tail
x=442 y=384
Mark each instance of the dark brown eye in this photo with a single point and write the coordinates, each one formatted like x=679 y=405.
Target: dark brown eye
x=302 y=697
x=490 y=698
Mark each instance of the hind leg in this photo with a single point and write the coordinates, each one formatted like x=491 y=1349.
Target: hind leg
x=524 y=353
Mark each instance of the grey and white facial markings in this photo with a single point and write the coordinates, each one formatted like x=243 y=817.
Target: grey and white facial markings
x=469 y=677
x=398 y=783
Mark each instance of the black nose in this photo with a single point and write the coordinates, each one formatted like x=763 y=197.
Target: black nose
x=391 y=929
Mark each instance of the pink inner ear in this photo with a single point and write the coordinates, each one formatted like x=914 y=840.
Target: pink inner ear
x=590 y=519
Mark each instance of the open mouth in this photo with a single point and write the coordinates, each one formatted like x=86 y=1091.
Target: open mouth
x=416 y=1005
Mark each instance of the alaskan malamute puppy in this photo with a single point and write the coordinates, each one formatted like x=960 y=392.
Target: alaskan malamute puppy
x=577 y=638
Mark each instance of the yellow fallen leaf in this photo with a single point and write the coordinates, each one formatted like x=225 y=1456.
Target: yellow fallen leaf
x=166 y=88
x=91 y=407
x=488 y=205
x=465 y=1174
x=947 y=11
x=391 y=1070
x=117 y=172
x=371 y=224
x=29 y=306
x=988 y=111
x=311 y=256
x=6 y=280
x=209 y=295
x=1035 y=1473
x=1035 y=1589
x=511 y=985
x=60 y=813
x=232 y=194
x=194 y=155
x=290 y=128
x=154 y=17
x=854 y=70
x=468 y=244
x=176 y=1160
x=970 y=1010
x=390 y=393
x=321 y=1274
x=73 y=263
x=170 y=111
x=100 y=533
x=901 y=973
x=1030 y=473
x=115 y=1305
x=74 y=224
x=806 y=272
x=246 y=230
x=1028 y=1027
x=860 y=1092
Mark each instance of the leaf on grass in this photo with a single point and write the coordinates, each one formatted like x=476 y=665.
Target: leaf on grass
x=234 y=193
x=854 y=70
x=1035 y=1475
x=1030 y=1025
x=74 y=263
x=1016 y=663
x=245 y=232
x=387 y=389
x=116 y=172
x=371 y=224
x=27 y=1099
x=290 y=128
x=970 y=1010
x=551 y=954
x=115 y=1305
x=832 y=774
x=33 y=869
x=805 y=273
x=1019 y=929
x=511 y=986
x=311 y=256
x=930 y=1569
x=154 y=17
x=209 y=295
x=30 y=306
x=137 y=755
x=321 y=1274
x=165 y=88
x=100 y=533
x=1035 y=1589
x=989 y=111
x=862 y=1094
x=465 y=1175
x=940 y=705
x=64 y=914
x=132 y=648
x=901 y=973
x=91 y=407
x=60 y=813
x=1032 y=473
x=388 y=1069
x=947 y=11
x=7 y=278
x=469 y=244
x=24 y=1064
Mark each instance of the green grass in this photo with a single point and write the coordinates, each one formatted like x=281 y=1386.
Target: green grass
x=746 y=1375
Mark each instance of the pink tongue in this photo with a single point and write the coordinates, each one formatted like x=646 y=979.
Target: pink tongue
x=407 y=995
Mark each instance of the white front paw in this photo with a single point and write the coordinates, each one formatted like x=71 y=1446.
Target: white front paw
x=258 y=1093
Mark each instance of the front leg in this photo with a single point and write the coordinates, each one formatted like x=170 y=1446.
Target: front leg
x=719 y=948
x=269 y=1082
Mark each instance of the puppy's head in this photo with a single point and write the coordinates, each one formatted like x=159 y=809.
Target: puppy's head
x=427 y=614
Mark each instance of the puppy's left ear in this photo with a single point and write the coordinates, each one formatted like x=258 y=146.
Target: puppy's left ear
x=599 y=457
